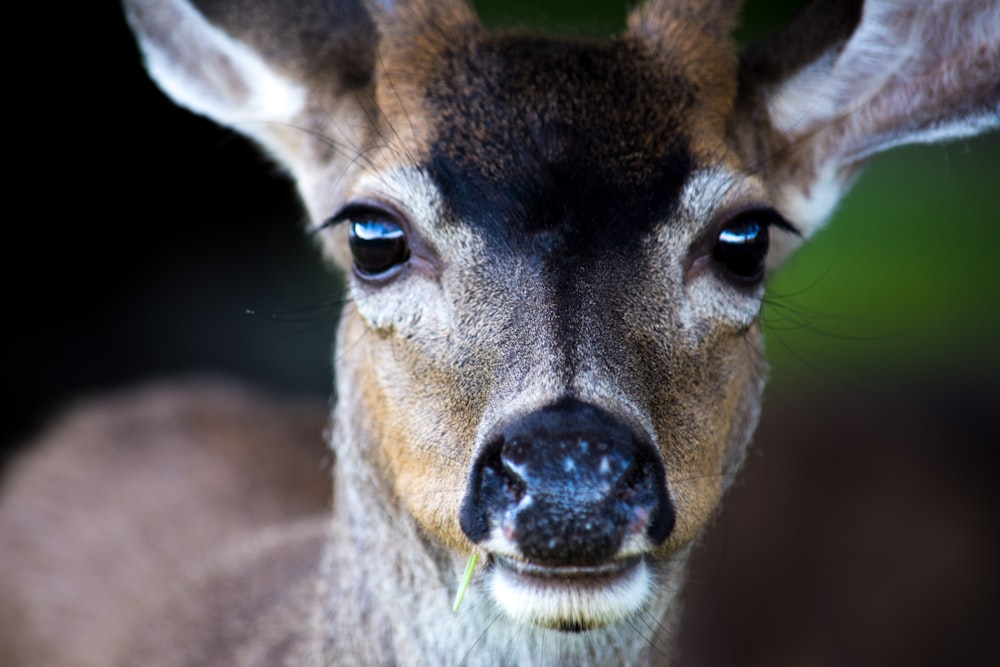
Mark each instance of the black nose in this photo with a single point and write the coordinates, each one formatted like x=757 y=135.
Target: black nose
x=567 y=485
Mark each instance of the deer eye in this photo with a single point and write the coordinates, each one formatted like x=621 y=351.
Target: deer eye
x=377 y=240
x=741 y=246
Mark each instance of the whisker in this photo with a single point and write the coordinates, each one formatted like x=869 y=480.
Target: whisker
x=496 y=617
x=648 y=640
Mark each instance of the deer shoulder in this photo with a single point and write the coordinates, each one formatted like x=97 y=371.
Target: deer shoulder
x=128 y=501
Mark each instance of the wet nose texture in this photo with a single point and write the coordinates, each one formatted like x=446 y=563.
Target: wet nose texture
x=568 y=484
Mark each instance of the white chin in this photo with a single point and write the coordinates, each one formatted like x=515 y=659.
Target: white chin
x=566 y=598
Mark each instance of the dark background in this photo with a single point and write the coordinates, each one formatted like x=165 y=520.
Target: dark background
x=865 y=530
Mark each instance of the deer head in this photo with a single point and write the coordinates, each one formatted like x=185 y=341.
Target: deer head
x=556 y=251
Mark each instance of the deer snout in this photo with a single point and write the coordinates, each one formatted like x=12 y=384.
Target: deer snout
x=568 y=485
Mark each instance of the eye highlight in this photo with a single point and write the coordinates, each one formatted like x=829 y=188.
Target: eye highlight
x=741 y=246
x=377 y=245
x=377 y=239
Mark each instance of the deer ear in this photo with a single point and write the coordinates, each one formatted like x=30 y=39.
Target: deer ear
x=849 y=79
x=300 y=77
x=255 y=67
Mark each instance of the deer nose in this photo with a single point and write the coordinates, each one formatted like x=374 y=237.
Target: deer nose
x=568 y=485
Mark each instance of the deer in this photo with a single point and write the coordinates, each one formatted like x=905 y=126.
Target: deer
x=549 y=360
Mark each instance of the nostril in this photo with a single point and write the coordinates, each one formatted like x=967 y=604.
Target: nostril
x=514 y=460
x=493 y=486
x=514 y=453
x=510 y=483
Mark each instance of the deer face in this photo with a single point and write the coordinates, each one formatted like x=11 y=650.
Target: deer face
x=554 y=289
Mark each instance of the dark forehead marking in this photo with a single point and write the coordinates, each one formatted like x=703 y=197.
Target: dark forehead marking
x=582 y=138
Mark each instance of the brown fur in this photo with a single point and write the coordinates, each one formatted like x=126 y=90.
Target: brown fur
x=125 y=540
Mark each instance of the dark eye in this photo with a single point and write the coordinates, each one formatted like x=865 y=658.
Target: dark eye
x=741 y=246
x=378 y=242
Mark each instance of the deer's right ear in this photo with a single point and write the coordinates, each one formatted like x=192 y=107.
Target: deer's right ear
x=255 y=67
x=849 y=79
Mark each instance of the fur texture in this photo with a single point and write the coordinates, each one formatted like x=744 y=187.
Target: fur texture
x=564 y=204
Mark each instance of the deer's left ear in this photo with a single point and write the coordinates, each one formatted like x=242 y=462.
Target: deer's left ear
x=826 y=94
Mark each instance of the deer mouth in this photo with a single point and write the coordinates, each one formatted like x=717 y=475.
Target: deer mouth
x=571 y=597
x=567 y=499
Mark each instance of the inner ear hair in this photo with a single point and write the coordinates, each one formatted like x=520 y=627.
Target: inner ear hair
x=848 y=80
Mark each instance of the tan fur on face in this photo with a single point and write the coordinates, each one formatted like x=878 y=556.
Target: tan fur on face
x=443 y=368
x=409 y=54
x=696 y=35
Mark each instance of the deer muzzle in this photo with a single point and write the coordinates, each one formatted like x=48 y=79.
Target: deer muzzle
x=568 y=498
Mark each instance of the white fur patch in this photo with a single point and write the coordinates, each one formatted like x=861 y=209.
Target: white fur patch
x=408 y=189
x=207 y=71
x=908 y=74
x=553 y=603
x=811 y=207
